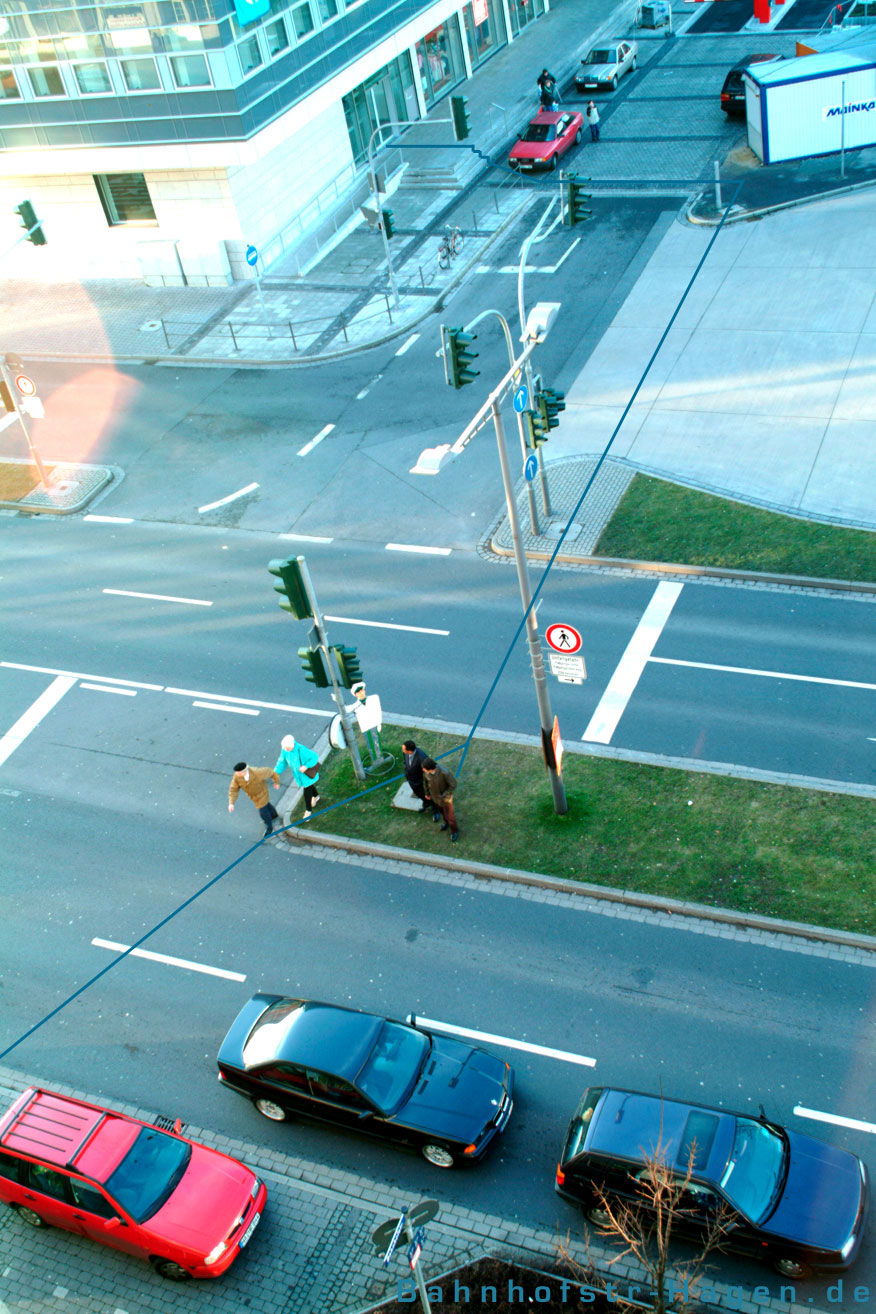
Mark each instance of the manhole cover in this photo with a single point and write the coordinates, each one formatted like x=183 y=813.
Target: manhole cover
x=151 y=326
x=556 y=527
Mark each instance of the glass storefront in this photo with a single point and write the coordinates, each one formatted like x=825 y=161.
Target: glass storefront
x=523 y=12
x=388 y=97
x=439 y=56
x=484 y=29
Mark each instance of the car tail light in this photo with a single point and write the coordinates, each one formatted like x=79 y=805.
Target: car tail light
x=725 y=95
x=470 y=1149
x=561 y=1176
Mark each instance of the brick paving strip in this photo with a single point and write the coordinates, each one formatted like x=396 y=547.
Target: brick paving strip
x=311 y=1254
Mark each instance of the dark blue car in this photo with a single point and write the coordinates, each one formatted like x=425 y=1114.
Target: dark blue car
x=794 y=1201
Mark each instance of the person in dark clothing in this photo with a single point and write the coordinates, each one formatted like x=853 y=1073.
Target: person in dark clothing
x=414 y=759
x=547 y=90
x=440 y=785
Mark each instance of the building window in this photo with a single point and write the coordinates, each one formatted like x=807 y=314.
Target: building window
x=125 y=198
x=190 y=70
x=387 y=97
x=46 y=81
x=92 y=79
x=278 y=38
x=328 y=9
x=8 y=85
x=484 y=29
x=140 y=74
x=303 y=21
x=249 y=54
x=439 y=56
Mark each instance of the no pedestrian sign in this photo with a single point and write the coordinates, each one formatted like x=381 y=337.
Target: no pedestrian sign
x=25 y=386
x=563 y=638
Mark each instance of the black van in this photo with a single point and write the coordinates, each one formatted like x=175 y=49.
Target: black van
x=733 y=90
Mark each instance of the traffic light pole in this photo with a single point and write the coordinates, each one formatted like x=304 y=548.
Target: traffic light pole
x=521 y=311
x=35 y=456
x=337 y=690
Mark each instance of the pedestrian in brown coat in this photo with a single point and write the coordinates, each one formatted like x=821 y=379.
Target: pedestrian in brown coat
x=440 y=784
x=254 y=783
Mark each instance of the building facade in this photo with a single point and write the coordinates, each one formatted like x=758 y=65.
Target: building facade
x=159 y=139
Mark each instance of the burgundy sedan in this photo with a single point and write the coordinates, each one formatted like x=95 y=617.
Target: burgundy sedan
x=548 y=136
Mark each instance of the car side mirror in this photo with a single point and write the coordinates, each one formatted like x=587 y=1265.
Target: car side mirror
x=366 y=1113
x=111 y=1223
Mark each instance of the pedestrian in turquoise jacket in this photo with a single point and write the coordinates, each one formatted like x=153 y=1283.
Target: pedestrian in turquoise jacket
x=304 y=765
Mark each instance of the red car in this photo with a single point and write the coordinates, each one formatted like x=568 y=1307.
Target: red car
x=548 y=136
x=137 y=1186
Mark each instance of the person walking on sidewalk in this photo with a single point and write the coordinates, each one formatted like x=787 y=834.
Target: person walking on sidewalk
x=440 y=785
x=254 y=783
x=414 y=759
x=593 y=119
x=547 y=90
x=303 y=762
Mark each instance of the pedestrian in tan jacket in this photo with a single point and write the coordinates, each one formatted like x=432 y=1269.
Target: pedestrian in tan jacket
x=254 y=783
x=439 y=785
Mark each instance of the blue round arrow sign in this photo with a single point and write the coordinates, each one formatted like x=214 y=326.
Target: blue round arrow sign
x=521 y=397
x=252 y=255
x=530 y=469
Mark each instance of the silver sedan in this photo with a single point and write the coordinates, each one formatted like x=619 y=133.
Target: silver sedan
x=605 y=66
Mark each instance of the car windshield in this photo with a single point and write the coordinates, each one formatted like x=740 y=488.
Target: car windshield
x=754 y=1170
x=601 y=56
x=149 y=1173
x=393 y=1065
x=539 y=132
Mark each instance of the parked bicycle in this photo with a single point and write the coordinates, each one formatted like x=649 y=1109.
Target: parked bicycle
x=450 y=246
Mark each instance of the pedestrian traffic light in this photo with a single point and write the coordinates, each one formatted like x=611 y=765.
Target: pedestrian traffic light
x=461 y=120
x=535 y=428
x=291 y=586
x=388 y=225
x=314 y=667
x=575 y=210
x=457 y=357
x=550 y=403
x=30 y=223
x=348 y=666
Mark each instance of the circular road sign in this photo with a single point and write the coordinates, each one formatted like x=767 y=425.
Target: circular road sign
x=563 y=638
x=252 y=255
x=530 y=467
x=25 y=386
x=521 y=397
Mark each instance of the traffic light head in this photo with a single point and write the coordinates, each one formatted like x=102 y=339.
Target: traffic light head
x=575 y=210
x=550 y=403
x=291 y=586
x=388 y=225
x=535 y=428
x=348 y=666
x=313 y=663
x=459 y=114
x=29 y=222
x=458 y=359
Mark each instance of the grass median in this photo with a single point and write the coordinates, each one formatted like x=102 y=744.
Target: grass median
x=771 y=849
x=17 y=479
x=660 y=521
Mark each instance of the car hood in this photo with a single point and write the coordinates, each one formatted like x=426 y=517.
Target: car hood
x=211 y=1198
x=596 y=70
x=458 y=1092
x=531 y=150
x=822 y=1195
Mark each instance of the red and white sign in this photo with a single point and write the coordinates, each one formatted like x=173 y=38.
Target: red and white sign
x=563 y=638
x=25 y=386
x=480 y=11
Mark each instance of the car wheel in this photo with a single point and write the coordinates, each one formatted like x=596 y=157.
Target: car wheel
x=166 y=1268
x=792 y=1268
x=28 y=1216
x=614 y=83
x=439 y=1155
x=553 y=163
x=598 y=1216
x=578 y=137
x=271 y=1110
x=634 y=65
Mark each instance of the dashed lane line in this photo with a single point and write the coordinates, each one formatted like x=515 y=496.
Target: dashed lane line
x=854 y=1124
x=106 y=688
x=308 y=447
x=418 y=547
x=387 y=625
x=563 y=1054
x=227 y=707
x=168 y=960
x=232 y=497
x=159 y=597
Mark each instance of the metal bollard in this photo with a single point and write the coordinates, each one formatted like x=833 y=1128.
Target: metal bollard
x=292 y=336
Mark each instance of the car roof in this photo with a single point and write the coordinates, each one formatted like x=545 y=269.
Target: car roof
x=52 y=1127
x=753 y=59
x=327 y=1038
x=548 y=116
x=632 y=1126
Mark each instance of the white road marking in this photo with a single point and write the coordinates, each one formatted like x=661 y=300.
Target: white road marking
x=365 y=391
x=536 y=269
x=628 y=671
x=11 y=793
x=159 y=597
x=227 y=707
x=770 y=675
x=415 y=547
x=81 y=675
x=245 y=702
x=386 y=625
x=232 y=497
x=17 y=733
x=405 y=346
x=854 y=1123
x=171 y=962
x=105 y=688
x=323 y=433
x=111 y=520
x=562 y=1054
x=307 y=538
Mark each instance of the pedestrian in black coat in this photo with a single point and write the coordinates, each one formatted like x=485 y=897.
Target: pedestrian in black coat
x=414 y=759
